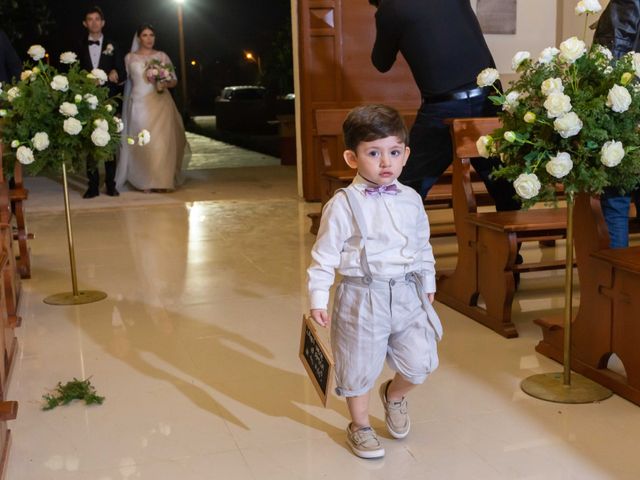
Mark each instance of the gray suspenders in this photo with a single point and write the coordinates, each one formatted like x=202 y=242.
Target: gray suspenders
x=415 y=277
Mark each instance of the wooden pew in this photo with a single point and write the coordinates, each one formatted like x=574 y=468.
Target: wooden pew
x=11 y=275
x=607 y=320
x=328 y=128
x=488 y=242
x=18 y=195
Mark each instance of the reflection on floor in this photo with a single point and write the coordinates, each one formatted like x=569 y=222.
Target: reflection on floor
x=196 y=348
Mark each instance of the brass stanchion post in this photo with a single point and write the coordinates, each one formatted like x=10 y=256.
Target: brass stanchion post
x=74 y=297
x=564 y=387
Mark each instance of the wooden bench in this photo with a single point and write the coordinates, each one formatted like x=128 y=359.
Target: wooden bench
x=608 y=318
x=488 y=242
x=329 y=130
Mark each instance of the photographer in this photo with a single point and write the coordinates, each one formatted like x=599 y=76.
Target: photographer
x=442 y=42
x=618 y=30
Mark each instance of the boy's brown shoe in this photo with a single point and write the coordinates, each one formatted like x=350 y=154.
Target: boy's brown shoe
x=364 y=442
x=396 y=414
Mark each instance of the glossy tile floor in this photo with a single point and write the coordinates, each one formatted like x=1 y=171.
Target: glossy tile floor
x=196 y=349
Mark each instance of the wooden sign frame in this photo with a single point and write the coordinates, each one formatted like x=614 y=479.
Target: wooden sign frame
x=308 y=325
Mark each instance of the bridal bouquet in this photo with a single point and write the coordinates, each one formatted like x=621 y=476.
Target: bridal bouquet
x=48 y=117
x=158 y=73
x=572 y=118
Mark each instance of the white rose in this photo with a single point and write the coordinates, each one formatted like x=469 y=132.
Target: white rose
x=15 y=144
x=635 y=58
x=604 y=51
x=511 y=101
x=119 y=124
x=612 y=153
x=25 y=155
x=36 y=52
x=518 y=58
x=13 y=93
x=580 y=8
x=527 y=185
x=551 y=85
x=547 y=55
x=68 y=109
x=568 y=125
x=68 y=58
x=40 y=141
x=131 y=141
x=109 y=108
x=557 y=104
x=77 y=98
x=591 y=6
x=144 y=137
x=92 y=100
x=618 y=99
x=487 y=77
x=509 y=136
x=3 y=112
x=97 y=74
x=529 y=117
x=101 y=124
x=483 y=144
x=72 y=126
x=60 y=83
x=25 y=75
x=100 y=137
x=560 y=165
x=572 y=49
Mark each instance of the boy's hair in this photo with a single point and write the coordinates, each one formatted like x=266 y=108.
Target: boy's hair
x=375 y=3
x=372 y=122
x=94 y=9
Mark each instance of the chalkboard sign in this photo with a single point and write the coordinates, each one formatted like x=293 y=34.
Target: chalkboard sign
x=316 y=358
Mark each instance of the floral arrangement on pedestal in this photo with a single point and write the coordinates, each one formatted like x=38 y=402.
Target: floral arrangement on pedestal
x=48 y=117
x=572 y=118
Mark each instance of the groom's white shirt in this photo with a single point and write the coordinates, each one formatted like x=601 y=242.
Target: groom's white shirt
x=95 y=51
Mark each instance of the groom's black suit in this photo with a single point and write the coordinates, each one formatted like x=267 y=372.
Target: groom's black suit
x=110 y=59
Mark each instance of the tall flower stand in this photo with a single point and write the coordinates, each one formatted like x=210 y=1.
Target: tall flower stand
x=565 y=386
x=75 y=297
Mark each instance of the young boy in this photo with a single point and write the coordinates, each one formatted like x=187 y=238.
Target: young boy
x=376 y=234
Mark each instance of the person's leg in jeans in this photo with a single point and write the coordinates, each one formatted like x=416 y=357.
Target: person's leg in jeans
x=615 y=208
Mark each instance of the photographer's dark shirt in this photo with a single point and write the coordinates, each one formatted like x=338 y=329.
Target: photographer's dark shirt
x=440 y=39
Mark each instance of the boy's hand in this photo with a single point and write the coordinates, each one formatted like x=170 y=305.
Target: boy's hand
x=321 y=317
x=431 y=296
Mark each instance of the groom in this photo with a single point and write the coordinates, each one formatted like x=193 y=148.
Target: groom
x=98 y=51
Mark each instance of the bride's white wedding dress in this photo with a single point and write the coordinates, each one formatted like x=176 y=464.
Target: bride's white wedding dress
x=158 y=164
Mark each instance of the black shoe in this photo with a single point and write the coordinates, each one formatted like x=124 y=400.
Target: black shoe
x=90 y=193
x=113 y=192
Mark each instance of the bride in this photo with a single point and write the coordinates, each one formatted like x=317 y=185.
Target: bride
x=148 y=105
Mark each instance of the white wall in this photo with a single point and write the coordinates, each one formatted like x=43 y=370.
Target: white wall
x=535 y=30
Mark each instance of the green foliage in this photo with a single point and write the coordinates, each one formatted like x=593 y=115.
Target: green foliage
x=587 y=82
x=74 y=390
x=37 y=109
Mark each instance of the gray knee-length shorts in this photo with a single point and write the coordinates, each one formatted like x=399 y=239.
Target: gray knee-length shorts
x=382 y=319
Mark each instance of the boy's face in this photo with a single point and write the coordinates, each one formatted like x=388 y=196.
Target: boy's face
x=94 y=23
x=379 y=161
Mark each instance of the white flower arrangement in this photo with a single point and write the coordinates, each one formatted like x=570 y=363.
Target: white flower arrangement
x=54 y=117
x=572 y=118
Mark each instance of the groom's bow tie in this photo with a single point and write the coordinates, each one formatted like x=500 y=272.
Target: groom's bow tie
x=94 y=42
x=391 y=189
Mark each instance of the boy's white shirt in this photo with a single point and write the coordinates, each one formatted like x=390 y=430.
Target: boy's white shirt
x=397 y=243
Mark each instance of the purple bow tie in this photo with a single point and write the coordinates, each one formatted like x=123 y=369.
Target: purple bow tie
x=391 y=189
